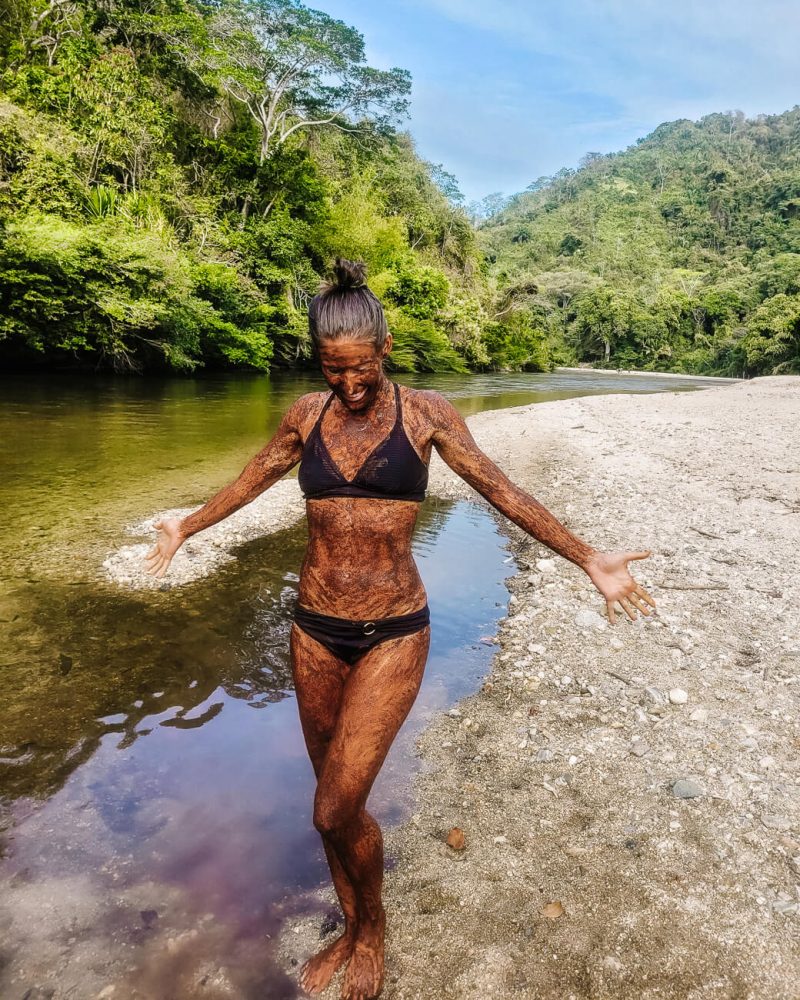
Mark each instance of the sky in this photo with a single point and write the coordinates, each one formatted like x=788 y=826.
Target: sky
x=505 y=91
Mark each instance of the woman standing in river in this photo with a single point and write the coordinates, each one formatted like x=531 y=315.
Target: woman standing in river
x=361 y=631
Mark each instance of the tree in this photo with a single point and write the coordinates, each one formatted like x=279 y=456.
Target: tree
x=295 y=68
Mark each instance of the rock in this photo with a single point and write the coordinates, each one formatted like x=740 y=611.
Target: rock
x=678 y=696
x=653 y=697
x=685 y=788
x=553 y=910
x=772 y=821
x=544 y=755
x=699 y=715
x=546 y=565
x=617 y=644
x=611 y=964
x=500 y=840
x=639 y=748
x=328 y=925
x=590 y=619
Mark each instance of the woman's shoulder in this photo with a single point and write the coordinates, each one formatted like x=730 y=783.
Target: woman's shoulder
x=426 y=402
x=306 y=408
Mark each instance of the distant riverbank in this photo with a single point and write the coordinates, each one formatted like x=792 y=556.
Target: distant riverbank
x=639 y=371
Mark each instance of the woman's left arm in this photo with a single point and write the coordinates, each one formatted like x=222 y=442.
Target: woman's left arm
x=607 y=570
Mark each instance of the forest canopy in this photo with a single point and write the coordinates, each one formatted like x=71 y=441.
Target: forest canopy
x=177 y=176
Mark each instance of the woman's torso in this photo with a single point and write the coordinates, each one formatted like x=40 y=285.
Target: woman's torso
x=358 y=563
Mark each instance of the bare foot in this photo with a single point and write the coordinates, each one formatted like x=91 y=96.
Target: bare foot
x=317 y=972
x=363 y=978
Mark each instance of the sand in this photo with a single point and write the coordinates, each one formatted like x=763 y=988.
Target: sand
x=585 y=873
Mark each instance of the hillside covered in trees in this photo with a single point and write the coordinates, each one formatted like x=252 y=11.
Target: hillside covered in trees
x=681 y=253
x=176 y=177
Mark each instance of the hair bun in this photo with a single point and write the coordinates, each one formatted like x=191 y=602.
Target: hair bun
x=349 y=273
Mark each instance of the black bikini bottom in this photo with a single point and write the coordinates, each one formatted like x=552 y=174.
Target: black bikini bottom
x=349 y=640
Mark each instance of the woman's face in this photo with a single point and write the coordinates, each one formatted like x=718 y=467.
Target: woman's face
x=354 y=370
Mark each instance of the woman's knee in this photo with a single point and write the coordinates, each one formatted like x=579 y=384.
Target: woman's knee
x=334 y=811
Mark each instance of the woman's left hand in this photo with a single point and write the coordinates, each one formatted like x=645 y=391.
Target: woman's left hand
x=609 y=573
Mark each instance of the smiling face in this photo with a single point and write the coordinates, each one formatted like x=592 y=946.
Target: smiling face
x=354 y=370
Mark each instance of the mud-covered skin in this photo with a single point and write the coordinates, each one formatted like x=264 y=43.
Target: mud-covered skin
x=358 y=565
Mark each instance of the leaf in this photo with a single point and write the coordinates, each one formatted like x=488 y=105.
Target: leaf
x=456 y=840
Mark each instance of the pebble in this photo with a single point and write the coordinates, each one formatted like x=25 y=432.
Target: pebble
x=678 y=696
x=590 y=619
x=699 y=715
x=653 y=696
x=544 y=755
x=617 y=644
x=685 y=788
x=639 y=748
x=546 y=565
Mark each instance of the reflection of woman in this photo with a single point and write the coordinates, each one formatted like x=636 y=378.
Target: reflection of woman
x=360 y=636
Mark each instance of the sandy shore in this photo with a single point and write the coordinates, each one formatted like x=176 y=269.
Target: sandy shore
x=629 y=795
x=640 y=371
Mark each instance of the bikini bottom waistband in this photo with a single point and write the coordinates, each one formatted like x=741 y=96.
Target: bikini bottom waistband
x=349 y=639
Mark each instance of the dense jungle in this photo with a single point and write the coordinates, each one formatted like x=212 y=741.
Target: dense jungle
x=177 y=176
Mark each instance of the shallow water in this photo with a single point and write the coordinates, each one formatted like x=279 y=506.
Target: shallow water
x=152 y=768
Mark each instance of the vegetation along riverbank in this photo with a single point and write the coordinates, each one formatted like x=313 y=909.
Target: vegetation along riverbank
x=173 y=188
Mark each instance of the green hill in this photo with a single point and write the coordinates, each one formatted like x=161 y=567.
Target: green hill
x=681 y=253
x=177 y=176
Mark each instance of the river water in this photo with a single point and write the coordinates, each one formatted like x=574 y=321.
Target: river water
x=155 y=794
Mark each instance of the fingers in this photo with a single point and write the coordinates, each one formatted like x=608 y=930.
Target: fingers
x=638 y=603
x=638 y=555
x=630 y=604
x=644 y=595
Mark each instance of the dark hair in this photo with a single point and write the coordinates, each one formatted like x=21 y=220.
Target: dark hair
x=346 y=309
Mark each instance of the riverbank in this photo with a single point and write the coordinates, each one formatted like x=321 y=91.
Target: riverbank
x=641 y=371
x=628 y=794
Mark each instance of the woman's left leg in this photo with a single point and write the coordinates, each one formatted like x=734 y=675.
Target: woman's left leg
x=378 y=694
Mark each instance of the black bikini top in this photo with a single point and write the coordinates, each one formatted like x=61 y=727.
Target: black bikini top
x=392 y=471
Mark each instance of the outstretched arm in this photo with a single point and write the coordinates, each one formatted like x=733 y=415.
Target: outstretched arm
x=281 y=453
x=607 y=570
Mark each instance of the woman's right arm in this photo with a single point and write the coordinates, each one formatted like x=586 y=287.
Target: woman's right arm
x=278 y=456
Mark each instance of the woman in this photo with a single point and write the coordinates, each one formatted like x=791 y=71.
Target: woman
x=360 y=637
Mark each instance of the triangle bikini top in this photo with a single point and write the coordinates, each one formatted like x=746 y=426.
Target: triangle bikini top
x=392 y=471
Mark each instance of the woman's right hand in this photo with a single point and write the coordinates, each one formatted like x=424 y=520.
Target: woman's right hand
x=168 y=541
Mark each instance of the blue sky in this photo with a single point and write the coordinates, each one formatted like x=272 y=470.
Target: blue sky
x=506 y=91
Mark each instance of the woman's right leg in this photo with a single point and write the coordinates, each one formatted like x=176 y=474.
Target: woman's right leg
x=319 y=679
